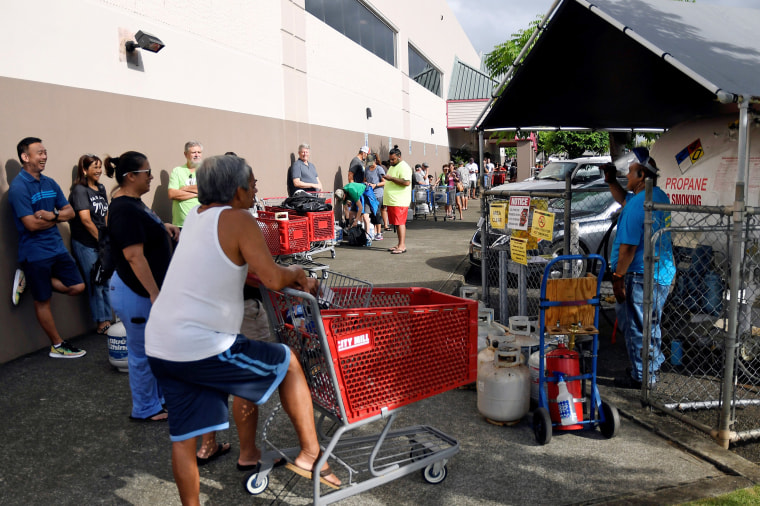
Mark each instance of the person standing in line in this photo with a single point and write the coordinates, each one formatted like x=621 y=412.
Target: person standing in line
x=88 y=231
x=303 y=173
x=627 y=264
x=398 y=196
x=183 y=190
x=464 y=179
x=356 y=167
x=472 y=177
x=375 y=178
x=194 y=343
x=38 y=206
x=141 y=249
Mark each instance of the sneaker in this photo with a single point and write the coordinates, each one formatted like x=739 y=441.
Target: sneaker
x=19 y=283
x=379 y=237
x=65 y=350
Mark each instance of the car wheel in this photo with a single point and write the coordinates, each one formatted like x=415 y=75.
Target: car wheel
x=580 y=267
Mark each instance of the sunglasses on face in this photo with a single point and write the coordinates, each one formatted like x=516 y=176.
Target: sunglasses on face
x=138 y=171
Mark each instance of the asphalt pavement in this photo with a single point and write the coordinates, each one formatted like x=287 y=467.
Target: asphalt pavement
x=67 y=438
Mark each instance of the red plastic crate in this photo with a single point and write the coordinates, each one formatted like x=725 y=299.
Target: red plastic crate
x=321 y=223
x=284 y=237
x=410 y=344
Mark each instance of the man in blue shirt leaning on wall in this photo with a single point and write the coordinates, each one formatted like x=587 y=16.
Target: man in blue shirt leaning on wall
x=38 y=206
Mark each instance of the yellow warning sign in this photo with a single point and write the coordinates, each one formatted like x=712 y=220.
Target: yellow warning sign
x=543 y=225
x=518 y=249
x=498 y=215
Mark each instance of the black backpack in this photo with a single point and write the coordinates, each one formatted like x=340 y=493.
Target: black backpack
x=355 y=236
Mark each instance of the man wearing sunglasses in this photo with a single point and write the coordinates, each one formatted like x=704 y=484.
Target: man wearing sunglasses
x=627 y=264
x=183 y=190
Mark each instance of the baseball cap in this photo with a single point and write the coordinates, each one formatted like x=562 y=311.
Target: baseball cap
x=364 y=149
x=340 y=194
x=424 y=164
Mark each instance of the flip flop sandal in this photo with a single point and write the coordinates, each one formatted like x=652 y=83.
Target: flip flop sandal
x=255 y=467
x=308 y=474
x=220 y=451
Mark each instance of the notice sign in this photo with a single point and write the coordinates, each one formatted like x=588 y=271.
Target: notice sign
x=518 y=249
x=518 y=213
x=543 y=225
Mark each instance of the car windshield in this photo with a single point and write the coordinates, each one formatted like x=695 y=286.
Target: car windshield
x=556 y=171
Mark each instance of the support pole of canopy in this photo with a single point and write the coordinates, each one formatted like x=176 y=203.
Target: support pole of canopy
x=737 y=252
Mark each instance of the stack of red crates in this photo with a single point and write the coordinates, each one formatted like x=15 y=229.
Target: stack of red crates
x=321 y=224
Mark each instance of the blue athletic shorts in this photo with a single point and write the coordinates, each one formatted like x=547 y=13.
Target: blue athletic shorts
x=39 y=273
x=196 y=392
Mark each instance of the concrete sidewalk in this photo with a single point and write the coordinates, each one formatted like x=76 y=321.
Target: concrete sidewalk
x=68 y=440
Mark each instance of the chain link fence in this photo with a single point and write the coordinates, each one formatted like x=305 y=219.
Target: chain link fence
x=696 y=319
x=512 y=288
x=691 y=382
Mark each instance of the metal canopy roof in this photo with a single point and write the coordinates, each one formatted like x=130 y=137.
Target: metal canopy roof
x=636 y=64
x=468 y=83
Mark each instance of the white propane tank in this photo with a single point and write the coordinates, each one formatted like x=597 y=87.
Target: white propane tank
x=503 y=386
x=117 y=346
x=488 y=330
x=533 y=363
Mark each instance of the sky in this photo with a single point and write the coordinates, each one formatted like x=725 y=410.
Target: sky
x=490 y=22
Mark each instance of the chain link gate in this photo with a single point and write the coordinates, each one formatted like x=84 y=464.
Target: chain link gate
x=695 y=325
x=512 y=289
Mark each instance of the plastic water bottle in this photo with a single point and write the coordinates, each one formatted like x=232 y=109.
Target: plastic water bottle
x=565 y=404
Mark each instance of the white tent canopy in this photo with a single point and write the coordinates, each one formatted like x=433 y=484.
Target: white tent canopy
x=641 y=64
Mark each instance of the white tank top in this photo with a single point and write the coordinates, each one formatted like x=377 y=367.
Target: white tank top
x=199 y=310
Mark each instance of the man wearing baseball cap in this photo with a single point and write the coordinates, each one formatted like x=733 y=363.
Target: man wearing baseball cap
x=627 y=264
x=356 y=167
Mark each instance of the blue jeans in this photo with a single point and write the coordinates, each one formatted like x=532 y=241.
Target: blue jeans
x=134 y=311
x=630 y=321
x=100 y=306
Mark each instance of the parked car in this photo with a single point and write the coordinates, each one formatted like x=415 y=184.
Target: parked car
x=552 y=177
x=593 y=211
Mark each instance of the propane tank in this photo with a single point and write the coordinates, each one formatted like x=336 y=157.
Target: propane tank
x=117 y=346
x=488 y=330
x=503 y=386
x=565 y=362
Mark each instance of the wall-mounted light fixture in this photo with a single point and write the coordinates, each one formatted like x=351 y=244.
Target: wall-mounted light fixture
x=145 y=41
x=432 y=132
x=369 y=113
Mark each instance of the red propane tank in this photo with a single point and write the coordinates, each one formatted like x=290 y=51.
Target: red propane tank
x=566 y=362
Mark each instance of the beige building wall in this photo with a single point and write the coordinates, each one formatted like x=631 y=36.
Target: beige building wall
x=256 y=77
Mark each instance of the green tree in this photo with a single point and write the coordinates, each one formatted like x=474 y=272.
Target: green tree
x=503 y=55
x=574 y=143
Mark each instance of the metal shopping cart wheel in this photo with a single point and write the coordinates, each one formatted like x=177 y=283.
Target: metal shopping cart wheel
x=254 y=488
x=435 y=473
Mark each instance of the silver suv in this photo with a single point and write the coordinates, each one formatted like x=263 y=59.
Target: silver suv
x=552 y=177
